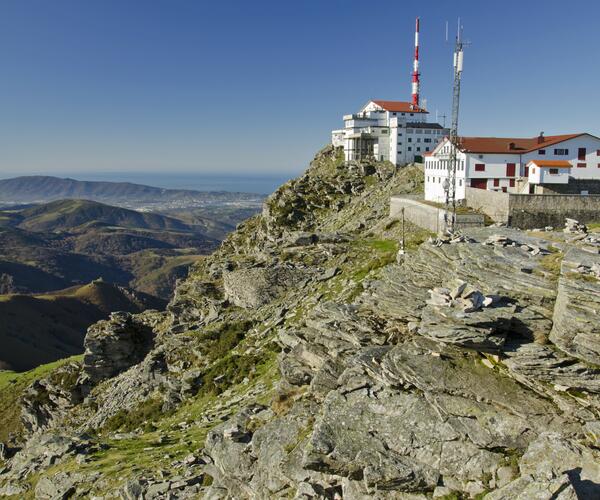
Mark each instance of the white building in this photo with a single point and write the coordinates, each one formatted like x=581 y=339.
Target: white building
x=394 y=131
x=514 y=165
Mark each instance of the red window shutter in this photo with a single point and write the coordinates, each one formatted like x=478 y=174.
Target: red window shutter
x=510 y=170
x=504 y=190
x=496 y=182
x=597 y=152
x=581 y=165
x=511 y=183
x=480 y=167
x=581 y=153
x=526 y=171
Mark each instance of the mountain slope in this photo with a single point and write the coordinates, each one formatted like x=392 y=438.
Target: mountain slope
x=306 y=358
x=29 y=189
x=71 y=215
x=43 y=328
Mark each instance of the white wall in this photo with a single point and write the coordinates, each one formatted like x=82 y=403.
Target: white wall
x=592 y=160
x=539 y=175
x=436 y=172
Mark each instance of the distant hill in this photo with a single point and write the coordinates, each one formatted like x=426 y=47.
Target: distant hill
x=29 y=189
x=70 y=215
x=43 y=328
x=68 y=242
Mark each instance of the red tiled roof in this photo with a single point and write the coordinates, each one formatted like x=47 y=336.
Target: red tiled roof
x=399 y=106
x=551 y=163
x=510 y=144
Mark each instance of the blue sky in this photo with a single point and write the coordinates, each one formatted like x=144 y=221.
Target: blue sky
x=256 y=86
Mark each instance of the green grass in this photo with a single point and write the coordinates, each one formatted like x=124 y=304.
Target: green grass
x=12 y=386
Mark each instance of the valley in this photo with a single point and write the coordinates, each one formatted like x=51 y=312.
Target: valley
x=66 y=264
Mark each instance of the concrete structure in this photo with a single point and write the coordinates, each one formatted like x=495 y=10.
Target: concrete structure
x=503 y=164
x=394 y=131
x=528 y=211
x=428 y=216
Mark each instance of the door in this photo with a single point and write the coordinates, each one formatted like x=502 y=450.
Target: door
x=510 y=170
x=479 y=183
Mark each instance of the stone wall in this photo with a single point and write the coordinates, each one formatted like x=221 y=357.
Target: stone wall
x=528 y=211
x=575 y=186
x=493 y=203
x=428 y=216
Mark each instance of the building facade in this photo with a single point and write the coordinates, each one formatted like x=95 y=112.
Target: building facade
x=514 y=165
x=394 y=131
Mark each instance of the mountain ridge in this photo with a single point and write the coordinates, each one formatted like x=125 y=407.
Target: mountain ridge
x=26 y=189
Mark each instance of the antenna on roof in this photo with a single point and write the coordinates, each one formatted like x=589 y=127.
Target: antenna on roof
x=446 y=31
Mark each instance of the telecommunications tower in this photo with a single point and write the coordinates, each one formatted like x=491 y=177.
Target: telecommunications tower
x=450 y=183
x=415 y=76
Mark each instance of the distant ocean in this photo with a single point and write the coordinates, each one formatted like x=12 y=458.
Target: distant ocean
x=260 y=184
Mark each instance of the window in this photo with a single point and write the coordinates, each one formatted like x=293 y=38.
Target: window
x=479 y=167
x=403 y=114
x=496 y=182
x=511 y=183
x=418 y=139
x=393 y=114
x=581 y=152
x=460 y=182
x=542 y=151
x=561 y=152
x=510 y=170
x=427 y=178
x=553 y=171
x=480 y=157
x=412 y=114
x=399 y=144
x=581 y=165
x=409 y=148
x=384 y=131
x=418 y=149
x=426 y=149
x=410 y=139
x=427 y=139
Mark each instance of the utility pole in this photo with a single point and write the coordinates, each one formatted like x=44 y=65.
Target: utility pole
x=450 y=183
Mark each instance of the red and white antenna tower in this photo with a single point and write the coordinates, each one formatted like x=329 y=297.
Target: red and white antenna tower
x=416 y=74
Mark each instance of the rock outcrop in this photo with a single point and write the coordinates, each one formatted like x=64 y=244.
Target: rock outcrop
x=114 y=345
x=306 y=359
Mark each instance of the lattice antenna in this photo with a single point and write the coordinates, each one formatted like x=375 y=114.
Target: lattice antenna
x=450 y=184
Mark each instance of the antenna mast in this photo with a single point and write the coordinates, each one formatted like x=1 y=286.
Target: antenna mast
x=415 y=76
x=450 y=184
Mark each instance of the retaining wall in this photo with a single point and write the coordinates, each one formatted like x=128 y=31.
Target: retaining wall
x=528 y=211
x=430 y=217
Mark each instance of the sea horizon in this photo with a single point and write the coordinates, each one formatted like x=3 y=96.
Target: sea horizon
x=257 y=184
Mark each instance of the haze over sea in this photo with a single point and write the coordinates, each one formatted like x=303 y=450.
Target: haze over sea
x=260 y=184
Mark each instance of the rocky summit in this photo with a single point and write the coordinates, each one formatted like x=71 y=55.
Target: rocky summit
x=307 y=358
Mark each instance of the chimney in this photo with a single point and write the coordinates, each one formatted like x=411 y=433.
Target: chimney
x=512 y=145
x=540 y=138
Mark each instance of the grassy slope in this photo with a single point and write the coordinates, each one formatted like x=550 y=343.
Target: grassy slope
x=12 y=385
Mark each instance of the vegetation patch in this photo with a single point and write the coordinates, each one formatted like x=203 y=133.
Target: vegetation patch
x=142 y=417
x=12 y=386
